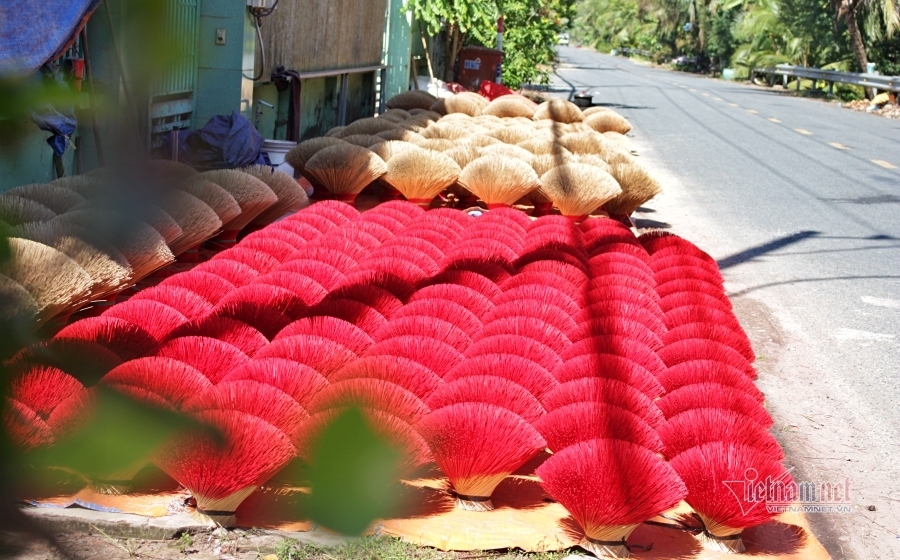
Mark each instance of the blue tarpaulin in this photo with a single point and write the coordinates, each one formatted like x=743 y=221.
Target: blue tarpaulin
x=33 y=32
x=225 y=142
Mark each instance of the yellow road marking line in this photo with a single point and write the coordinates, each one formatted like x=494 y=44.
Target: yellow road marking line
x=717 y=98
x=884 y=164
x=773 y=119
x=734 y=104
x=704 y=94
x=754 y=111
x=804 y=132
x=838 y=145
x=692 y=89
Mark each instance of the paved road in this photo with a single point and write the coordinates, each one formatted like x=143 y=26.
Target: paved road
x=798 y=200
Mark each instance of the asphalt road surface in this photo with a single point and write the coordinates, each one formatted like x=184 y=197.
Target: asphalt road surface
x=799 y=201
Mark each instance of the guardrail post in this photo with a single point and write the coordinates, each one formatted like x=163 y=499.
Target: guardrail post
x=830 y=88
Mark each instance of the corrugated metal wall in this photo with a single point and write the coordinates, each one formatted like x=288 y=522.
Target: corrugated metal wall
x=182 y=24
x=313 y=35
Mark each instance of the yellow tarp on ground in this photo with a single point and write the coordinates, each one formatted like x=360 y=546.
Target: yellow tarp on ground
x=523 y=518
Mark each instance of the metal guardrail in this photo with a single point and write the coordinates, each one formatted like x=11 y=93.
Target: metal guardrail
x=831 y=77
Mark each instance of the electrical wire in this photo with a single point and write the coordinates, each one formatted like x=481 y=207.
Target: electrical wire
x=258 y=14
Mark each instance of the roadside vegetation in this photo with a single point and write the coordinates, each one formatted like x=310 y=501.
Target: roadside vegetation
x=532 y=28
x=746 y=34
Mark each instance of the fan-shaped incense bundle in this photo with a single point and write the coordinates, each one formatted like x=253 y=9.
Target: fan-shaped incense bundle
x=716 y=477
x=456 y=104
x=197 y=220
x=610 y=487
x=638 y=186
x=106 y=266
x=55 y=198
x=498 y=180
x=576 y=189
x=420 y=175
x=345 y=170
x=361 y=140
x=223 y=204
x=400 y=134
x=15 y=210
x=509 y=151
x=300 y=154
x=413 y=99
x=143 y=246
x=477 y=445
x=580 y=143
x=291 y=196
x=509 y=106
x=558 y=110
x=512 y=134
x=55 y=281
x=605 y=121
x=252 y=195
x=369 y=126
x=16 y=303
x=220 y=475
x=449 y=130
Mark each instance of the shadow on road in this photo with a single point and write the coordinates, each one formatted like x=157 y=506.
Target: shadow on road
x=759 y=250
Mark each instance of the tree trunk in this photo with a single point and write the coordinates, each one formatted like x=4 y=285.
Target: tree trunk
x=453 y=40
x=857 y=44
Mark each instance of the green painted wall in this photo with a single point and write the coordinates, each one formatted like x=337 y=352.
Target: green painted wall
x=268 y=117
x=25 y=157
x=319 y=106
x=221 y=86
x=399 y=49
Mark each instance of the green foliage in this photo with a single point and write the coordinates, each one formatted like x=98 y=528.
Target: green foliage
x=119 y=433
x=353 y=475
x=531 y=30
x=746 y=33
x=478 y=17
x=383 y=548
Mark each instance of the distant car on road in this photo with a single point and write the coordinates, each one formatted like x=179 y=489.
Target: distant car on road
x=564 y=39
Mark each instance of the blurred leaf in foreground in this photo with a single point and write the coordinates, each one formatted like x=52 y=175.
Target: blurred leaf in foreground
x=353 y=475
x=117 y=433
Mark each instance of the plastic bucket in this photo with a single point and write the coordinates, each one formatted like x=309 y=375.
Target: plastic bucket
x=277 y=149
x=728 y=74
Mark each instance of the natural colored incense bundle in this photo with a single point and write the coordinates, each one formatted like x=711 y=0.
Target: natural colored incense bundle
x=252 y=195
x=106 y=266
x=457 y=104
x=197 y=220
x=578 y=189
x=638 y=186
x=56 y=282
x=15 y=210
x=509 y=106
x=345 y=170
x=361 y=140
x=214 y=196
x=498 y=180
x=369 y=126
x=291 y=196
x=509 y=151
x=413 y=99
x=608 y=121
x=512 y=134
x=558 y=110
x=57 y=199
x=421 y=174
x=143 y=246
x=300 y=154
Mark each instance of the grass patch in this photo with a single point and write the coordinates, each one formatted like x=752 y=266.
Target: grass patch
x=389 y=548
